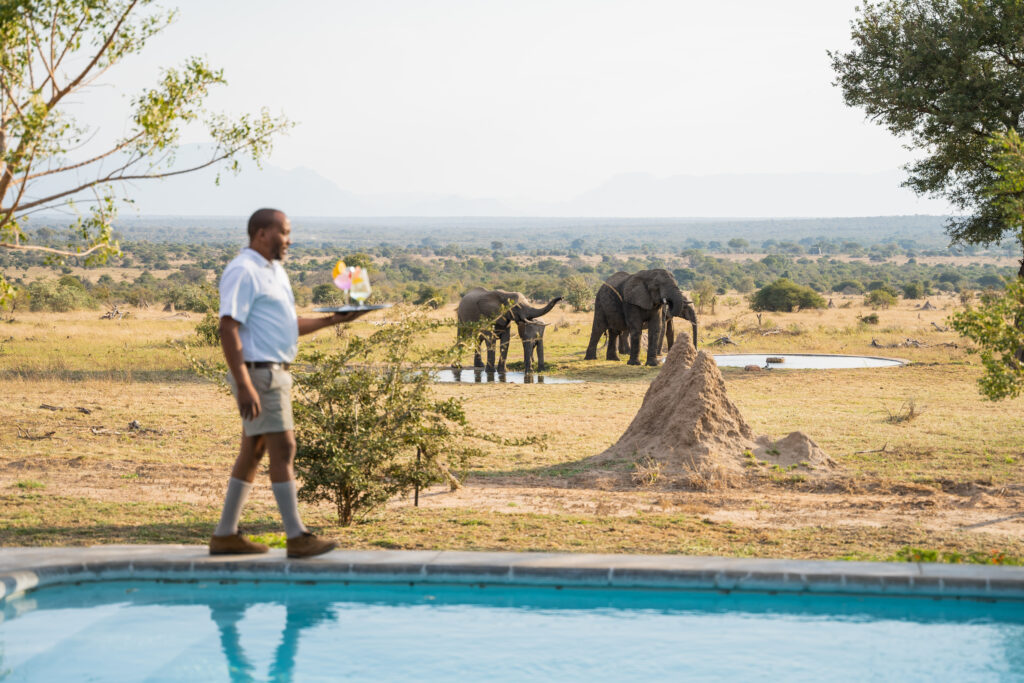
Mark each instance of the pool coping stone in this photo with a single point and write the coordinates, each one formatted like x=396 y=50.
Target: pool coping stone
x=23 y=569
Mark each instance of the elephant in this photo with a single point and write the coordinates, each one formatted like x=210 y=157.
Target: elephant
x=667 y=333
x=531 y=332
x=628 y=303
x=501 y=307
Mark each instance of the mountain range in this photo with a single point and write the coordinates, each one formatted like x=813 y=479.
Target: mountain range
x=305 y=192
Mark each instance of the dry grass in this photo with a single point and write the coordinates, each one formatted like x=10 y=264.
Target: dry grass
x=88 y=483
x=646 y=471
x=905 y=413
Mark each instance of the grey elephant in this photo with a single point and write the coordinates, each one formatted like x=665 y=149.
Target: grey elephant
x=531 y=332
x=668 y=333
x=626 y=304
x=503 y=308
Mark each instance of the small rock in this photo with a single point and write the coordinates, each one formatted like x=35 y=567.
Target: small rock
x=134 y=426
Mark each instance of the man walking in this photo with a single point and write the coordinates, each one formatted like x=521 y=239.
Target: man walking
x=259 y=331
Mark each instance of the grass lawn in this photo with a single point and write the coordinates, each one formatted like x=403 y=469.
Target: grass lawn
x=948 y=479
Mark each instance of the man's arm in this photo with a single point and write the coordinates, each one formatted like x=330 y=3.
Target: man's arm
x=308 y=325
x=231 y=344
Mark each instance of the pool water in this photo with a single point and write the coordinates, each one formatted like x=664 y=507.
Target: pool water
x=121 y=631
x=804 y=361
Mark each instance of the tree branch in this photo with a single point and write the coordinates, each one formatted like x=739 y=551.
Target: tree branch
x=51 y=77
x=113 y=178
x=96 y=58
x=50 y=250
x=72 y=167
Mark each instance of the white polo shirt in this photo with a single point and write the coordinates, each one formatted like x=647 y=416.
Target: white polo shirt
x=256 y=292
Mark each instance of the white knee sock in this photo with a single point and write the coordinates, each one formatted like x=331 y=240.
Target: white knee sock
x=286 y=495
x=234 y=499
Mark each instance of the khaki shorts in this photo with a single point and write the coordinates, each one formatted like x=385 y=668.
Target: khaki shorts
x=274 y=387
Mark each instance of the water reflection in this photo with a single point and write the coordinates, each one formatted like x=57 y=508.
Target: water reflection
x=298 y=618
x=481 y=376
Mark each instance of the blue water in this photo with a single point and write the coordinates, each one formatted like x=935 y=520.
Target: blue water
x=147 y=631
x=809 y=361
x=481 y=376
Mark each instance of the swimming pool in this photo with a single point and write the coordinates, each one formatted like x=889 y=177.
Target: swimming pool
x=176 y=613
x=209 y=630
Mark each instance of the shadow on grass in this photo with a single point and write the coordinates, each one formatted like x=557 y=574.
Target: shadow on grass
x=188 y=532
x=119 y=375
x=558 y=475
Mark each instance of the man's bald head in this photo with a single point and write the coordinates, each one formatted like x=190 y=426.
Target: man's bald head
x=265 y=218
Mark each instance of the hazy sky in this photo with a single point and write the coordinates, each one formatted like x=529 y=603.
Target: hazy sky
x=534 y=99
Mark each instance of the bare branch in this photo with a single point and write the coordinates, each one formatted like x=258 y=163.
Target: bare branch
x=70 y=41
x=72 y=167
x=50 y=250
x=112 y=177
x=51 y=77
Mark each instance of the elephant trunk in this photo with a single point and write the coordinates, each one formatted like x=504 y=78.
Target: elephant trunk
x=675 y=302
x=530 y=312
x=690 y=314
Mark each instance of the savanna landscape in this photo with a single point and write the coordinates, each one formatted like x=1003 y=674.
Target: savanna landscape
x=108 y=436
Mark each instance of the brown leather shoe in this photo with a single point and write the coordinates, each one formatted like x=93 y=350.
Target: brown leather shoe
x=235 y=544
x=309 y=545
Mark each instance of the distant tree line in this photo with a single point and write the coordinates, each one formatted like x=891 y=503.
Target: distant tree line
x=420 y=274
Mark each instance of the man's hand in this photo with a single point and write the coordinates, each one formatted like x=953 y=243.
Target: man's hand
x=248 y=402
x=307 y=325
x=346 y=317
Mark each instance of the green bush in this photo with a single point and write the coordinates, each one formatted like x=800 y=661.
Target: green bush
x=208 y=329
x=745 y=285
x=195 y=298
x=703 y=294
x=995 y=326
x=784 y=295
x=849 y=287
x=880 y=298
x=327 y=294
x=368 y=424
x=429 y=295
x=55 y=297
x=579 y=292
x=916 y=289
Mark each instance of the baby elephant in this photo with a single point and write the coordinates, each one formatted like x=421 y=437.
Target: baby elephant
x=532 y=334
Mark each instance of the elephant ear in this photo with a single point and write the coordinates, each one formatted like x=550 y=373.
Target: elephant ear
x=634 y=291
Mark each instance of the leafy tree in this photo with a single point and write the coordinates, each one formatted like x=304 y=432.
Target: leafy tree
x=849 y=287
x=997 y=324
x=703 y=294
x=208 y=329
x=368 y=425
x=916 y=290
x=996 y=327
x=361 y=259
x=785 y=295
x=880 y=298
x=430 y=295
x=327 y=294
x=52 y=53
x=580 y=292
x=947 y=74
